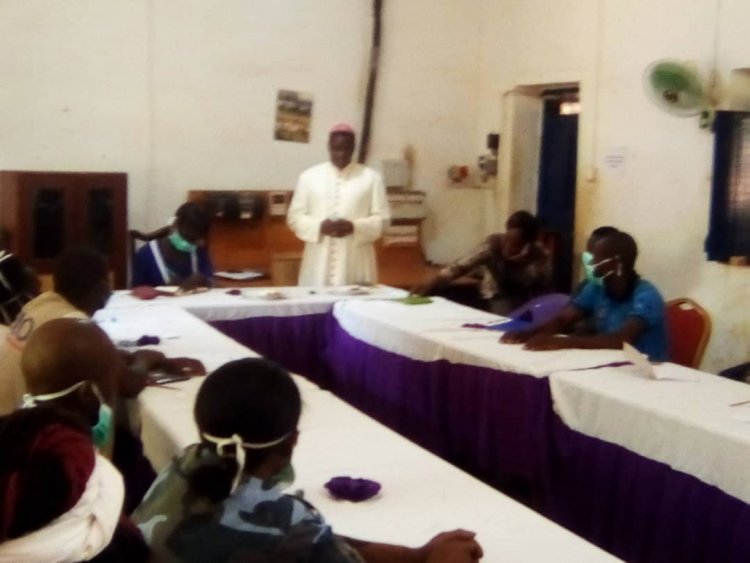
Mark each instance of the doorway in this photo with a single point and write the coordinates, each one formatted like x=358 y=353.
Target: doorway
x=537 y=168
x=556 y=192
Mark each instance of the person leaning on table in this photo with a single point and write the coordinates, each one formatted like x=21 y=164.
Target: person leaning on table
x=624 y=307
x=515 y=267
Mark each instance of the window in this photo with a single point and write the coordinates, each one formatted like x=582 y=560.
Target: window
x=729 y=220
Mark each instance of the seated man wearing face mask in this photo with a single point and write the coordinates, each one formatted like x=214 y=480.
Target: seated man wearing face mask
x=515 y=267
x=624 y=307
x=587 y=257
x=180 y=258
x=81 y=288
x=60 y=499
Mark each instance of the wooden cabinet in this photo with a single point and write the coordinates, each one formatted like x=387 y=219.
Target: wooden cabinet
x=266 y=243
x=401 y=260
x=45 y=212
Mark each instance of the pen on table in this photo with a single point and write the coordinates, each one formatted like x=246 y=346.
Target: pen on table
x=740 y=403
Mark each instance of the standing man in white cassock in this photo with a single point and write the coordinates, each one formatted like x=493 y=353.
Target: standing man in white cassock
x=339 y=209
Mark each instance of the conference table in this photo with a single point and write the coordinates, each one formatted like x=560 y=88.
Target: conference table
x=421 y=494
x=287 y=324
x=649 y=469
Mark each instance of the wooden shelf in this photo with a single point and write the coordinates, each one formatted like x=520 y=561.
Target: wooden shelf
x=45 y=212
x=267 y=244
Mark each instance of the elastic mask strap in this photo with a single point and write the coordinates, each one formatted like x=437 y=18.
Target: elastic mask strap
x=239 y=450
x=30 y=400
x=602 y=262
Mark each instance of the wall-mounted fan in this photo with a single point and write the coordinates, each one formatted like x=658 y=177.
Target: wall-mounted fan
x=675 y=87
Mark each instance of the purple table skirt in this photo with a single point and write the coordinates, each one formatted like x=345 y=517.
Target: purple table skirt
x=493 y=424
x=296 y=343
x=640 y=509
x=501 y=427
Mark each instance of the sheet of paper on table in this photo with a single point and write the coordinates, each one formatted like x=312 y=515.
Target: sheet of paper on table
x=243 y=275
x=645 y=368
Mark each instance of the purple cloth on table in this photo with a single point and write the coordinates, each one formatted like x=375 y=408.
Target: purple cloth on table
x=296 y=343
x=353 y=489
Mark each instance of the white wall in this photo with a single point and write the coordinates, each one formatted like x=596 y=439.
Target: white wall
x=74 y=87
x=181 y=94
x=661 y=195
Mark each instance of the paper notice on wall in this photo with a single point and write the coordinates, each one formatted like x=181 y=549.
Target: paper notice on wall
x=616 y=160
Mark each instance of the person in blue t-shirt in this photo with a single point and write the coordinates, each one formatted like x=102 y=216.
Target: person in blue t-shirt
x=624 y=307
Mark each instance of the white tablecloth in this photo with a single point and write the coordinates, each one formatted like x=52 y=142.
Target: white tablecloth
x=421 y=496
x=688 y=425
x=218 y=305
x=433 y=332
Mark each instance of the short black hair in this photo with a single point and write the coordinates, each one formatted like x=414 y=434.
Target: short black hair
x=603 y=231
x=526 y=223
x=193 y=214
x=79 y=272
x=254 y=398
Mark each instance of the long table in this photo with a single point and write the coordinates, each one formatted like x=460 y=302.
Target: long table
x=649 y=470
x=452 y=389
x=422 y=494
x=665 y=462
x=652 y=470
x=287 y=324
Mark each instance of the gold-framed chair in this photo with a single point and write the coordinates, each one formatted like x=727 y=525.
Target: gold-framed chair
x=688 y=331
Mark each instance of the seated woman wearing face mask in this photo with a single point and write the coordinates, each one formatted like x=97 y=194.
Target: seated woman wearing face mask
x=180 y=258
x=222 y=499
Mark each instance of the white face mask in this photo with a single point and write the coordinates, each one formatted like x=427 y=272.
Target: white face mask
x=30 y=400
x=239 y=450
x=101 y=431
x=599 y=279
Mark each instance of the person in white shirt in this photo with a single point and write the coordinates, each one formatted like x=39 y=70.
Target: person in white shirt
x=339 y=209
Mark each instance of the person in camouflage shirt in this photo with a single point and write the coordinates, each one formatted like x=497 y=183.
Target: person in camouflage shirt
x=221 y=501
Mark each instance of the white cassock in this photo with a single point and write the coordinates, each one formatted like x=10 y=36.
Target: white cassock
x=355 y=193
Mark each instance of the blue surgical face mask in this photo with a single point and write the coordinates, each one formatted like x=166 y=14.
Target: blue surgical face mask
x=101 y=432
x=179 y=242
x=588 y=269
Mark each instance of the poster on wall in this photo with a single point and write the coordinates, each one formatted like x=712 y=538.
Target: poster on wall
x=293 y=116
